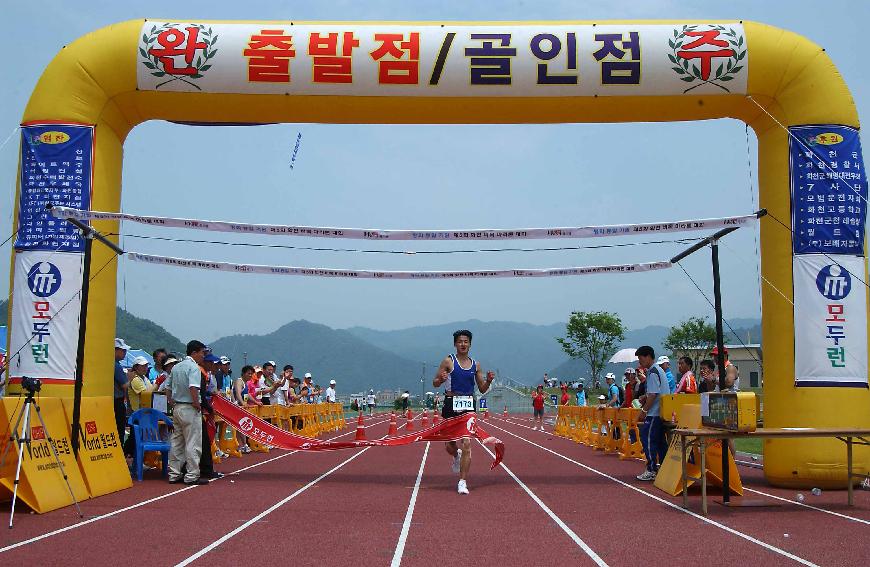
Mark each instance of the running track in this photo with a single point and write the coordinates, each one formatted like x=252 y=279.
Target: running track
x=553 y=503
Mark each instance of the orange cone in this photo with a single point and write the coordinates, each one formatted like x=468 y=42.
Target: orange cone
x=505 y=412
x=394 y=430
x=410 y=425
x=409 y=415
x=425 y=423
x=485 y=413
x=436 y=417
x=360 y=429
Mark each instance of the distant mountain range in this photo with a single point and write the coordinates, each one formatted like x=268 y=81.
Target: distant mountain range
x=359 y=358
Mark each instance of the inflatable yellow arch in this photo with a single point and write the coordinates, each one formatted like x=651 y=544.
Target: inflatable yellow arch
x=784 y=86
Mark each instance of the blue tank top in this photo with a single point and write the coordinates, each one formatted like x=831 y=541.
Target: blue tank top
x=462 y=380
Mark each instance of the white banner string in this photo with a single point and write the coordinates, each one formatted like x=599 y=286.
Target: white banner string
x=422 y=234
x=394 y=275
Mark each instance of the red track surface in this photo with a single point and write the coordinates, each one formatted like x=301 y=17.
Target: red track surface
x=348 y=507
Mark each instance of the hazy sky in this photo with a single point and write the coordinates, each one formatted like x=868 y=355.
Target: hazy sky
x=423 y=177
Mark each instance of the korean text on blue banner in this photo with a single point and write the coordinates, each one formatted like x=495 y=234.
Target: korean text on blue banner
x=829 y=190
x=56 y=165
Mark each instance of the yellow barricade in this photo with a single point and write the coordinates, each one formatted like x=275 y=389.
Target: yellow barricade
x=42 y=486
x=227 y=440
x=263 y=412
x=100 y=460
x=611 y=430
x=561 y=426
x=600 y=429
x=629 y=449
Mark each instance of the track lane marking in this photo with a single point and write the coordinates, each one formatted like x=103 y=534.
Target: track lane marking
x=728 y=529
x=762 y=493
x=266 y=512
x=406 y=525
x=576 y=538
x=59 y=531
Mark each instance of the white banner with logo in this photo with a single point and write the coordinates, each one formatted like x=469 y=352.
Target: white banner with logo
x=46 y=307
x=830 y=312
x=593 y=231
x=394 y=275
x=544 y=59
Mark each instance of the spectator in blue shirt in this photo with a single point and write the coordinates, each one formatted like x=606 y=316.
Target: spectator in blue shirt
x=581 y=395
x=120 y=389
x=665 y=363
x=652 y=431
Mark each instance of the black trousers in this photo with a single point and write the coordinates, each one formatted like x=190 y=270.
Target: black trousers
x=120 y=418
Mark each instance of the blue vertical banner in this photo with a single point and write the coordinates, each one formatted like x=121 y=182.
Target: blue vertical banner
x=829 y=190
x=56 y=168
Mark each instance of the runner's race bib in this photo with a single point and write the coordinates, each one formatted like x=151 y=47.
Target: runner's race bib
x=463 y=403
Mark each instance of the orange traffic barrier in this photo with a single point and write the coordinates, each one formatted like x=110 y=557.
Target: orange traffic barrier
x=394 y=430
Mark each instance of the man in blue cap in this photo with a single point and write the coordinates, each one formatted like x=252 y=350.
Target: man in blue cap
x=208 y=389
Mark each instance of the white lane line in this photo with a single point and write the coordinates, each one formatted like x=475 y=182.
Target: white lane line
x=757 y=465
x=150 y=500
x=266 y=512
x=831 y=512
x=730 y=530
x=406 y=526
x=588 y=550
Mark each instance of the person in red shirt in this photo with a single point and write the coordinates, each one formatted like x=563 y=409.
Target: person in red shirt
x=538 y=405
x=565 y=397
x=630 y=382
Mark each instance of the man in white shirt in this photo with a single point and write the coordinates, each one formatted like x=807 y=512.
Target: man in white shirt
x=267 y=380
x=330 y=392
x=278 y=391
x=371 y=401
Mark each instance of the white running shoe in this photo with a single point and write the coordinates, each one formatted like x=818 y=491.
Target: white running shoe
x=462 y=488
x=456 y=461
x=245 y=449
x=646 y=475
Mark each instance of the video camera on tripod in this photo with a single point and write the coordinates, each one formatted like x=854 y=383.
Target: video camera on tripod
x=31 y=385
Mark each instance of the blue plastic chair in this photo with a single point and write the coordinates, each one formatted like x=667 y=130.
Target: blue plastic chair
x=146 y=434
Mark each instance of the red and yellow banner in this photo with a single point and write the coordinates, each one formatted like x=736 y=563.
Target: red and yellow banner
x=464 y=426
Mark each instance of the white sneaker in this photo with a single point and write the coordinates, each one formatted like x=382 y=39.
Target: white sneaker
x=456 y=461
x=646 y=476
x=462 y=488
x=245 y=449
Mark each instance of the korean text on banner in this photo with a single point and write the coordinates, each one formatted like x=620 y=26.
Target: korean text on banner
x=449 y=60
x=42 y=486
x=46 y=307
x=101 y=453
x=56 y=167
x=831 y=340
x=829 y=190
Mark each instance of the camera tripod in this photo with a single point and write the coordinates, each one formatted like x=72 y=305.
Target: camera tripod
x=25 y=439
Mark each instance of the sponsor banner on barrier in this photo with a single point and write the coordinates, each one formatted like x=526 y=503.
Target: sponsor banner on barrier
x=829 y=190
x=261 y=431
x=56 y=166
x=595 y=231
x=42 y=486
x=830 y=306
x=393 y=275
x=46 y=307
x=444 y=60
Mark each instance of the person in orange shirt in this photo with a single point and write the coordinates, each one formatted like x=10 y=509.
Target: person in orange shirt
x=688 y=384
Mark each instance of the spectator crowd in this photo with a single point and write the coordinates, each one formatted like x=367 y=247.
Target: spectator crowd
x=188 y=383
